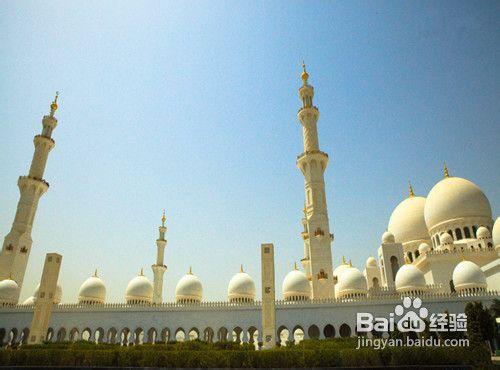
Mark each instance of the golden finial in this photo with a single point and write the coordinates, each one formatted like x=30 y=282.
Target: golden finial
x=163 y=219
x=95 y=273
x=305 y=75
x=446 y=173
x=53 y=106
x=412 y=194
x=350 y=263
x=304 y=210
x=190 y=271
x=241 y=268
x=142 y=272
x=343 y=260
x=295 y=266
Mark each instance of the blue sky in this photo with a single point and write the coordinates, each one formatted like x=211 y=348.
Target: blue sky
x=191 y=106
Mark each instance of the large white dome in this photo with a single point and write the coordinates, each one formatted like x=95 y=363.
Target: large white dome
x=340 y=269
x=350 y=282
x=296 y=286
x=241 y=288
x=468 y=275
x=496 y=232
x=9 y=292
x=407 y=222
x=189 y=289
x=92 y=291
x=452 y=198
x=409 y=279
x=139 y=290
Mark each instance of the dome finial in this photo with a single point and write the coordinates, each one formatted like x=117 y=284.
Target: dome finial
x=241 y=268
x=350 y=263
x=53 y=106
x=410 y=188
x=343 y=260
x=295 y=266
x=163 y=219
x=305 y=75
x=95 y=273
x=142 y=272
x=190 y=271
x=446 y=173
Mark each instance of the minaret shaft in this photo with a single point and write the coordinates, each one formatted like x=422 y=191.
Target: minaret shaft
x=159 y=268
x=17 y=243
x=317 y=260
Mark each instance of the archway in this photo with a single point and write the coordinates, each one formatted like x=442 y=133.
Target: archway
x=394 y=267
x=73 y=335
x=298 y=334
x=237 y=334
x=283 y=335
x=12 y=336
x=138 y=336
x=99 y=335
x=86 y=334
x=222 y=334
x=180 y=335
x=208 y=335
x=345 y=331
x=152 y=335
x=25 y=334
x=165 y=335
x=375 y=283
x=112 y=335
x=125 y=337
x=313 y=332
x=193 y=334
x=61 y=335
x=50 y=335
x=329 y=331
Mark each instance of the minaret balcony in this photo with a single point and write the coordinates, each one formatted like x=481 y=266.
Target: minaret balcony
x=27 y=182
x=305 y=235
x=307 y=113
x=307 y=157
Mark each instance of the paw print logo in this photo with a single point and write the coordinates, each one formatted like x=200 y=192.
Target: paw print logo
x=412 y=320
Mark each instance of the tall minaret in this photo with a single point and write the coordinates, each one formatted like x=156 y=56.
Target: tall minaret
x=159 y=268
x=317 y=259
x=17 y=244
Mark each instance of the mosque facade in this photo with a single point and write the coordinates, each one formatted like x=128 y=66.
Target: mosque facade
x=443 y=248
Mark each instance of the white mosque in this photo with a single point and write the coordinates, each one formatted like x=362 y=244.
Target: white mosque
x=444 y=248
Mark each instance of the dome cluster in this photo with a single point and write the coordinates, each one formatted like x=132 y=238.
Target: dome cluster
x=32 y=300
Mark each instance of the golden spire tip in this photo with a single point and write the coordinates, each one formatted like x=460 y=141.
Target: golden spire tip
x=190 y=270
x=446 y=173
x=295 y=266
x=305 y=75
x=412 y=194
x=95 y=273
x=343 y=260
x=241 y=268
x=142 y=272
x=163 y=218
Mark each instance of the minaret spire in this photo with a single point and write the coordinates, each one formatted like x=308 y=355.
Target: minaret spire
x=317 y=261
x=410 y=190
x=159 y=267
x=17 y=243
x=446 y=173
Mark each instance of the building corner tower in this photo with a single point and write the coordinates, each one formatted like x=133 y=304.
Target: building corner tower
x=317 y=261
x=159 y=268
x=17 y=243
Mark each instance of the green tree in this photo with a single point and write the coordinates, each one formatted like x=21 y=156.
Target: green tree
x=480 y=323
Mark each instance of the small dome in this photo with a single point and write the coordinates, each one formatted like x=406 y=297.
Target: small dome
x=340 y=268
x=468 y=275
x=407 y=222
x=496 y=232
x=139 y=290
x=58 y=296
x=483 y=233
x=452 y=198
x=92 y=291
x=241 y=288
x=423 y=248
x=296 y=286
x=189 y=289
x=388 y=238
x=371 y=262
x=9 y=292
x=350 y=282
x=30 y=301
x=409 y=278
x=446 y=238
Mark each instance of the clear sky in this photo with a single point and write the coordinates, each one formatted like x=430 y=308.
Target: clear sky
x=191 y=107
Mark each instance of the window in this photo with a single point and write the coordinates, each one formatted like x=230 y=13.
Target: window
x=474 y=229
x=458 y=233
x=394 y=267
x=437 y=239
x=467 y=232
x=410 y=256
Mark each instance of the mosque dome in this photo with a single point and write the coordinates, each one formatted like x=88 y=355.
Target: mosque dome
x=423 y=248
x=496 y=232
x=468 y=275
x=92 y=291
x=241 y=288
x=446 y=239
x=371 y=262
x=9 y=292
x=452 y=198
x=296 y=286
x=409 y=278
x=139 y=290
x=407 y=222
x=388 y=238
x=340 y=268
x=483 y=233
x=350 y=282
x=189 y=289
x=57 y=297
